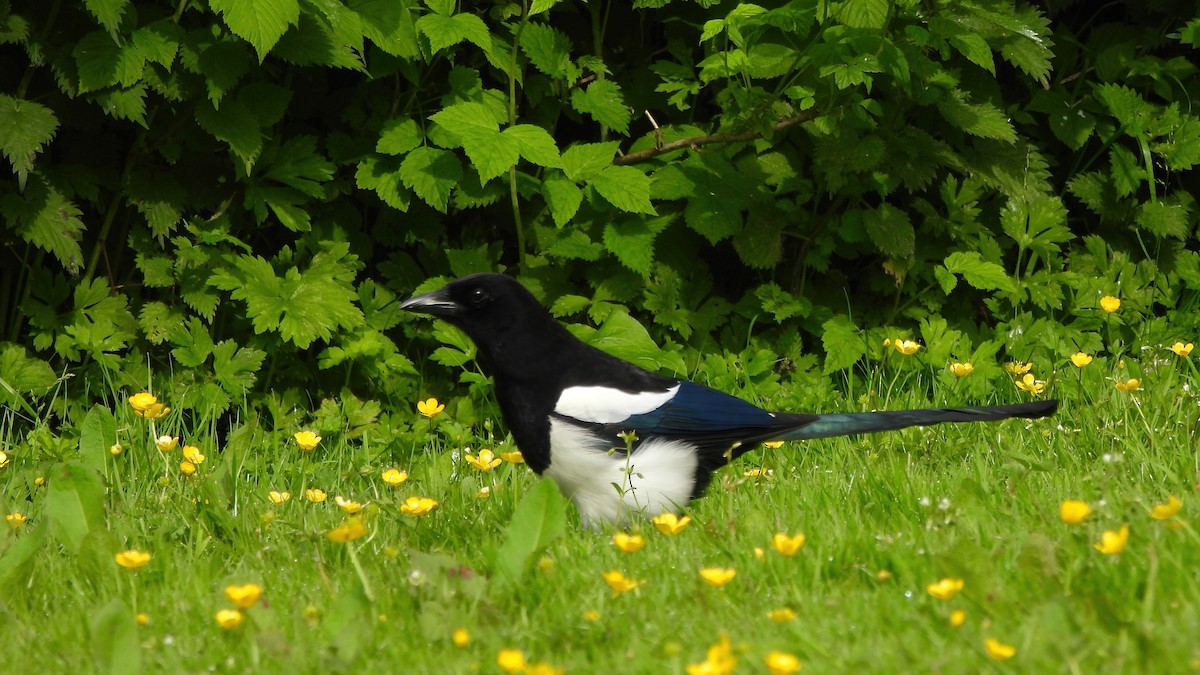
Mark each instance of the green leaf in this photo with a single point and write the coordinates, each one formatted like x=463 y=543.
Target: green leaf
x=979 y=273
x=446 y=31
x=102 y=62
x=539 y=519
x=891 y=231
x=74 y=504
x=622 y=336
x=465 y=118
x=114 y=639
x=491 y=152
x=1126 y=105
x=22 y=374
x=17 y=558
x=604 y=102
x=235 y=368
x=624 y=187
x=390 y=25
x=158 y=42
x=381 y=176
x=978 y=119
x=431 y=173
x=548 y=49
x=234 y=124
x=224 y=65
x=864 y=13
x=632 y=242
x=194 y=345
x=584 y=160
x=563 y=197
x=107 y=12
x=97 y=434
x=1164 y=218
x=844 y=346
x=48 y=220
x=1038 y=224
x=25 y=128
x=760 y=243
x=1127 y=173
x=259 y=22
x=945 y=279
x=976 y=49
x=399 y=136
x=535 y=144
x=124 y=104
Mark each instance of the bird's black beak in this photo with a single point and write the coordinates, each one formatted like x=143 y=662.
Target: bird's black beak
x=437 y=303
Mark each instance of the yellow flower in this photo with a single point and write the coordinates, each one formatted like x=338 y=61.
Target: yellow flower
x=133 y=559
x=315 y=495
x=998 y=650
x=16 y=519
x=192 y=454
x=430 y=407
x=514 y=457
x=1112 y=543
x=781 y=663
x=1132 y=384
x=786 y=545
x=961 y=369
x=307 y=440
x=461 y=638
x=758 y=471
x=166 y=443
x=1167 y=511
x=484 y=492
x=1110 y=304
x=277 y=497
x=486 y=461
x=348 y=505
x=629 y=543
x=773 y=444
x=669 y=523
x=883 y=575
x=115 y=449
x=717 y=576
x=1018 y=368
x=957 y=618
x=394 y=477
x=146 y=405
x=1073 y=511
x=543 y=668
x=350 y=530
x=618 y=582
x=591 y=615
x=782 y=615
x=1182 y=349
x=418 y=506
x=511 y=661
x=720 y=659
x=1030 y=384
x=229 y=618
x=187 y=468
x=39 y=481
x=906 y=347
x=1080 y=359
x=945 y=589
x=3 y=459
x=243 y=595
x=142 y=618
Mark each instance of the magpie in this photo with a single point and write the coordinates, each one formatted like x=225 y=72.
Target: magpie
x=620 y=440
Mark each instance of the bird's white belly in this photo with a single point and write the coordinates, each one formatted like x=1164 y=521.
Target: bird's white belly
x=611 y=487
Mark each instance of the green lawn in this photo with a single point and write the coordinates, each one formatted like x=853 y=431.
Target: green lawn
x=885 y=516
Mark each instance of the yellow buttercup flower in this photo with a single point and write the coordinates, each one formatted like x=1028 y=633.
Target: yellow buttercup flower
x=1182 y=349
x=1018 y=368
x=187 y=468
x=945 y=589
x=486 y=461
x=1080 y=359
x=430 y=407
x=781 y=663
x=782 y=615
x=277 y=497
x=717 y=576
x=906 y=347
x=3 y=459
x=461 y=638
x=166 y=443
x=618 y=582
x=629 y=543
x=1031 y=384
x=720 y=659
x=883 y=575
x=758 y=471
x=133 y=559
x=15 y=519
x=590 y=615
x=142 y=618
x=787 y=545
x=1112 y=543
x=1073 y=511
x=543 y=668
x=511 y=661
x=307 y=440
x=418 y=506
x=192 y=454
x=1167 y=511
x=350 y=530
x=315 y=495
x=115 y=449
x=998 y=650
x=394 y=477
x=348 y=505
x=229 y=618
x=146 y=405
x=670 y=523
x=1110 y=304
x=773 y=444
x=1132 y=384
x=962 y=369
x=957 y=618
x=243 y=595
x=513 y=457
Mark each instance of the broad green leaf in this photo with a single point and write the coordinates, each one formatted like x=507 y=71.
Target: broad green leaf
x=431 y=173
x=18 y=557
x=124 y=104
x=390 y=25
x=1127 y=174
x=712 y=28
x=234 y=124
x=48 y=220
x=624 y=187
x=1126 y=105
x=539 y=6
x=491 y=152
x=399 y=136
x=978 y=119
x=1164 y=218
x=158 y=42
x=977 y=272
x=467 y=117
x=446 y=31
x=604 y=102
x=759 y=244
x=259 y=22
x=107 y=12
x=235 y=368
x=575 y=245
x=622 y=336
x=114 y=639
x=22 y=374
x=538 y=520
x=25 y=128
x=976 y=49
x=891 y=231
x=74 y=504
x=584 y=160
x=224 y=64
x=945 y=279
x=348 y=625
x=97 y=435
x=632 y=243
x=383 y=177
x=102 y=62
x=548 y=49
x=1181 y=150
x=535 y=144
x=864 y=13
x=844 y=346
x=563 y=197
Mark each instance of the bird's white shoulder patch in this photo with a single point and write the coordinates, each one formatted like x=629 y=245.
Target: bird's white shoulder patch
x=610 y=487
x=605 y=405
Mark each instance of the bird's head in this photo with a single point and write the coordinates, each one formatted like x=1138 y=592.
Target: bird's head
x=485 y=306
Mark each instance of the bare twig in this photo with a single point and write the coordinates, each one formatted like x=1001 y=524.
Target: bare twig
x=697 y=141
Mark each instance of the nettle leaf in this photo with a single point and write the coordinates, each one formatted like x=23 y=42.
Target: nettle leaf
x=780 y=304
x=864 y=13
x=1126 y=105
x=446 y=31
x=1026 y=40
x=978 y=119
x=101 y=62
x=986 y=276
x=159 y=42
x=234 y=124
x=604 y=102
x=575 y=245
x=563 y=197
x=584 y=160
x=625 y=188
x=535 y=144
x=431 y=173
x=25 y=128
x=389 y=25
x=491 y=152
x=548 y=49
x=48 y=220
x=159 y=322
x=632 y=243
x=382 y=175
x=259 y=22
x=466 y=117
x=1127 y=174
x=399 y=136
x=891 y=231
x=107 y=12
x=844 y=346
x=976 y=49
x=125 y=104
x=223 y=65
x=1181 y=150
x=1164 y=219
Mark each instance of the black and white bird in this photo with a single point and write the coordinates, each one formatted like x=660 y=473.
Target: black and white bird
x=619 y=440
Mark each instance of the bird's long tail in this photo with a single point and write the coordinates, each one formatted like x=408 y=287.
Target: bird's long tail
x=844 y=424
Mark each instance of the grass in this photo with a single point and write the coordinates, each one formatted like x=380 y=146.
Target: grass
x=885 y=516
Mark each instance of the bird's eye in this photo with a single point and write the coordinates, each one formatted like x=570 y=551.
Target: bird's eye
x=477 y=296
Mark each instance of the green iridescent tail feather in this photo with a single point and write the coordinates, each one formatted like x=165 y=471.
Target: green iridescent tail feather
x=845 y=424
